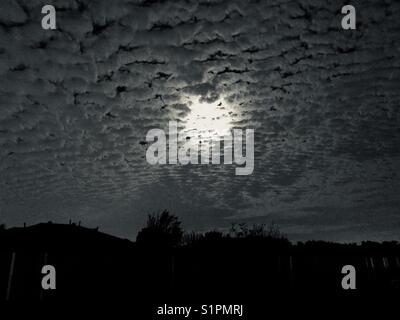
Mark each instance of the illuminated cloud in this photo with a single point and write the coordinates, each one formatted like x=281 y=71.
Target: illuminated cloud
x=76 y=103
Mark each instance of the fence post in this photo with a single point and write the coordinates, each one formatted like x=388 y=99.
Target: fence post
x=10 y=277
x=385 y=262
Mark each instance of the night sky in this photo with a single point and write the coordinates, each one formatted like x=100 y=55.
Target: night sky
x=76 y=103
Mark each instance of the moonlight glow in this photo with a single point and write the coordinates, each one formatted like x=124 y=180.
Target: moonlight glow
x=209 y=119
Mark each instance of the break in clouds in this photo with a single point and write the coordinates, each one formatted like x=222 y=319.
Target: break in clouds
x=77 y=102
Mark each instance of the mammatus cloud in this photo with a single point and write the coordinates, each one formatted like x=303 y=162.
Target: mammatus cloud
x=77 y=101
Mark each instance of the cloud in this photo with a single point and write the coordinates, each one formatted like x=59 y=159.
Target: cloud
x=76 y=102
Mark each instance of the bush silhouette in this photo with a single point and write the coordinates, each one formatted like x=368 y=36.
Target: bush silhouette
x=161 y=230
x=256 y=231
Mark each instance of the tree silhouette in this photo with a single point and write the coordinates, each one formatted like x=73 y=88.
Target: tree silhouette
x=257 y=231
x=161 y=230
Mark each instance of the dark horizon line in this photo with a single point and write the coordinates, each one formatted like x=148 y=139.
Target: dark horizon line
x=225 y=235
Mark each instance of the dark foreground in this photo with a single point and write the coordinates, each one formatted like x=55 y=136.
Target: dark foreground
x=263 y=275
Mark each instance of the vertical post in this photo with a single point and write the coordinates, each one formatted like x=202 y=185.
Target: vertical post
x=371 y=260
x=385 y=262
x=10 y=277
x=41 y=289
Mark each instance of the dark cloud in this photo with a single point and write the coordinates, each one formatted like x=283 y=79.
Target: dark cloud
x=77 y=101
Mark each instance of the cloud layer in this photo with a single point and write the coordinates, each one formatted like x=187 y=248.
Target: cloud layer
x=77 y=101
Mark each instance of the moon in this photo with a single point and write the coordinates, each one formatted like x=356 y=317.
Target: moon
x=208 y=120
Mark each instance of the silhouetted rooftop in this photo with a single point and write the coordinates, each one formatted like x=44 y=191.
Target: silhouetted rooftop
x=54 y=235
